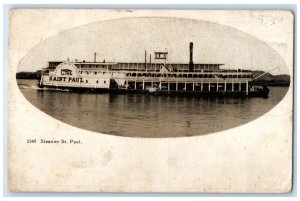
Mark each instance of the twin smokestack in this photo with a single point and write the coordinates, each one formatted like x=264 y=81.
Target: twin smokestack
x=191 y=63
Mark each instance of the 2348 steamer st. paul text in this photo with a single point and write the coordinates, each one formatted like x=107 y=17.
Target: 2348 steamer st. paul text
x=53 y=141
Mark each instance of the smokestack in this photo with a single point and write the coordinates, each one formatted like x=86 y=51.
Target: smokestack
x=191 y=64
x=145 y=59
x=95 y=55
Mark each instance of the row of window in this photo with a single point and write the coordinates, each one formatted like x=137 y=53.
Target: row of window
x=189 y=75
x=88 y=72
x=96 y=81
x=92 y=66
x=177 y=75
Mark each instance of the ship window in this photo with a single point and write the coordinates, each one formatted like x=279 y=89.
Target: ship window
x=87 y=73
x=97 y=81
x=95 y=73
x=104 y=81
x=86 y=81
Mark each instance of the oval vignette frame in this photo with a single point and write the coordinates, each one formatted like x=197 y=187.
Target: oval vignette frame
x=127 y=38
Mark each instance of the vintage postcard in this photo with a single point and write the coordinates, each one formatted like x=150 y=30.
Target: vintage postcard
x=150 y=100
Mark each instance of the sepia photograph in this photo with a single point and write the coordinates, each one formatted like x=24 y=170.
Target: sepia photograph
x=146 y=100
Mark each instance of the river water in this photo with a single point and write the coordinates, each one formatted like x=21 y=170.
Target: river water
x=141 y=115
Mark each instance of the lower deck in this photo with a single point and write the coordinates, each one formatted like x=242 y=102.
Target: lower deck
x=206 y=92
x=192 y=86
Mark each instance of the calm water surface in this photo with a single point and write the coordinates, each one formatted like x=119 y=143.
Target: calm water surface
x=139 y=115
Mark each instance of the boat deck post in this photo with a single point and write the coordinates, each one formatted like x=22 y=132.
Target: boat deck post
x=143 y=84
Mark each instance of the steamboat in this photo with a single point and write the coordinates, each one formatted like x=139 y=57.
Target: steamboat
x=158 y=77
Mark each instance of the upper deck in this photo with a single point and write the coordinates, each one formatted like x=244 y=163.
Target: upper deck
x=137 y=66
x=154 y=70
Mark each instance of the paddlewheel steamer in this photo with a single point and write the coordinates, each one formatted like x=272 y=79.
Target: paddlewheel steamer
x=158 y=77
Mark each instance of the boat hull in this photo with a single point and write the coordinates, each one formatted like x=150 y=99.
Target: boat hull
x=237 y=94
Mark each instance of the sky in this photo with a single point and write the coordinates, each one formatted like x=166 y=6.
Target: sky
x=126 y=40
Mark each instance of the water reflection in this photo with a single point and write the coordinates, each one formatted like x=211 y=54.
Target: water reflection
x=146 y=115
